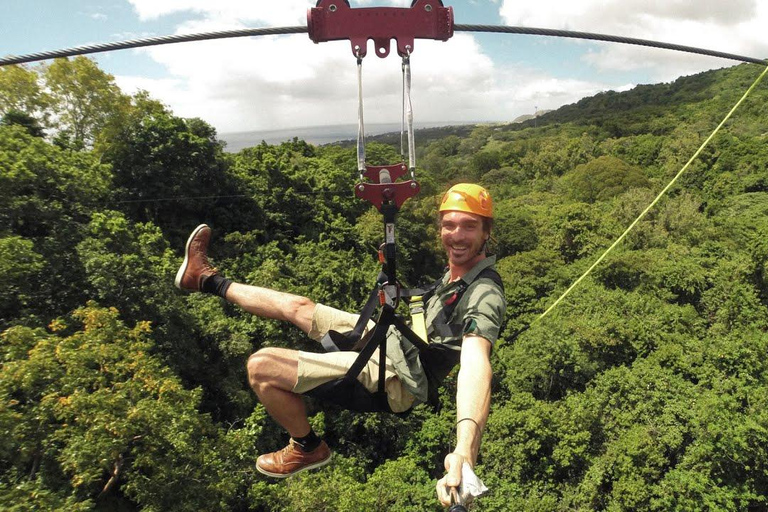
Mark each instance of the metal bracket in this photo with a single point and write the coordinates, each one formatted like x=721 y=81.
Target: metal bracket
x=333 y=20
x=383 y=188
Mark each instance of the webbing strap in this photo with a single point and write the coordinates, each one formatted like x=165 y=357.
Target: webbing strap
x=440 y=325
x=408 y=115
x=377 y=338
x=418 y=322
x=360 y=122
x=334 y=341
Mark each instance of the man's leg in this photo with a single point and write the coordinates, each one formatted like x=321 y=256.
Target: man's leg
x=268 y=303
x=196 y=274
x=272 y=372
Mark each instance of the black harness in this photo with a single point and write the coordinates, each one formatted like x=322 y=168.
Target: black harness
x=347 y=391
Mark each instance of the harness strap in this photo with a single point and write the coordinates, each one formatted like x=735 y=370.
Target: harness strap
x=408 y=115
x=334 y=341
x=425 y=292
x=360 y=122
x=418 y=322
x=440 y=325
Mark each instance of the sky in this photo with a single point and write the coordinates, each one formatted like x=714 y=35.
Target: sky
x=283 y=82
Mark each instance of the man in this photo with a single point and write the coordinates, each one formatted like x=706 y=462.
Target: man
x=280 y=376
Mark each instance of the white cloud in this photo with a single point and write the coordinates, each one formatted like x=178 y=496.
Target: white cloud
x=735 y=26
x=274 y=82
x=286 y=81
x=282 y=82
x=267 y=12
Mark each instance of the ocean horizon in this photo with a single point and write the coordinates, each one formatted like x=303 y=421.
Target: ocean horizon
x=316 y=135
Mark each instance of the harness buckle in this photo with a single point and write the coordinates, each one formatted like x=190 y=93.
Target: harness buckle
x=389 y=293
x=418 y=322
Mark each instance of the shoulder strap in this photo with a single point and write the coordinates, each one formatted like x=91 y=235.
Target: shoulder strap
x=493 y=275
x=440 y=326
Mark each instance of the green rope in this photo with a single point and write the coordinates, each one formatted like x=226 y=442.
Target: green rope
x=653 y=203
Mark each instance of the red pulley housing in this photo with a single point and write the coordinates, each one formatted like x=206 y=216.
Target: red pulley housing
x=333 y=20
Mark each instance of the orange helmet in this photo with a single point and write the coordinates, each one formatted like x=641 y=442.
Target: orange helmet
x=468 y=197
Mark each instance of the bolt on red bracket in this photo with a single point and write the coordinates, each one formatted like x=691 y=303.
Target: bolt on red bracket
x=333 y=20
x=384 y=189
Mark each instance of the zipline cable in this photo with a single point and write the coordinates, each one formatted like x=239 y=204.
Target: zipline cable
x=656 y=200
x=151 y=41
x=501 y=29
x=606 y=38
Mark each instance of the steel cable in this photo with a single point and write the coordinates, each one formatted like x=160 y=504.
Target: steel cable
x=501 y=29
x=604 y=37
x=152 y=41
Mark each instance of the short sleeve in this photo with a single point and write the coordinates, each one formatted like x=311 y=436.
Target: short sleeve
x=485 y=310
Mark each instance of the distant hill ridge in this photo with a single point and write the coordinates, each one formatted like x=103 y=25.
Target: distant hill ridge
x=622 y=113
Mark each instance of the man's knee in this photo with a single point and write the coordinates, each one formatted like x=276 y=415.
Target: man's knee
x=271 y=366
x=257 y=365
x=298 y=310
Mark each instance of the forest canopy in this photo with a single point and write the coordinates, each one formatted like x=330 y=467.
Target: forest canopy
x=647 y=389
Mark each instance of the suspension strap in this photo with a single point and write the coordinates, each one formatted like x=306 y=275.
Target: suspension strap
x=360 y=121
x=408 y=115
x=406 y=126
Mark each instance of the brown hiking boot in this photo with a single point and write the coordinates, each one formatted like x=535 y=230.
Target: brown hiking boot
x=292 y=459
x=195 y=268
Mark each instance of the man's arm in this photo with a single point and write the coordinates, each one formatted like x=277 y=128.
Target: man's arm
x=473 y=399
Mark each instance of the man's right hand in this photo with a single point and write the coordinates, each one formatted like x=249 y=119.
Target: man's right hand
x=452 y=478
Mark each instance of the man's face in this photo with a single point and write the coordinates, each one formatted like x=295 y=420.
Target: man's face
x=463 y=237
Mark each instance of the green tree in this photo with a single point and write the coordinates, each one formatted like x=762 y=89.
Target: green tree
x=17 y=117
x=168 y=170
x=93 y=418
x=514 y=229
x=602 y=178
x=20 y=91
x=20 y=265
x=84 y=100
x=46 y=196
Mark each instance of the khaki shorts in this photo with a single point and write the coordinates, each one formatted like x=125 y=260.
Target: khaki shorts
x=316 y=369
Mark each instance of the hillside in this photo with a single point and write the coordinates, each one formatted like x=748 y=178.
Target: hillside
x=646 y=389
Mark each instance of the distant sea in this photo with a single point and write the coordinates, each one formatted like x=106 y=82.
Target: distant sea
x=317 y=135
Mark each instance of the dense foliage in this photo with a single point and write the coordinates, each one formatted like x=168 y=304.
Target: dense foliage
x=647 y=389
